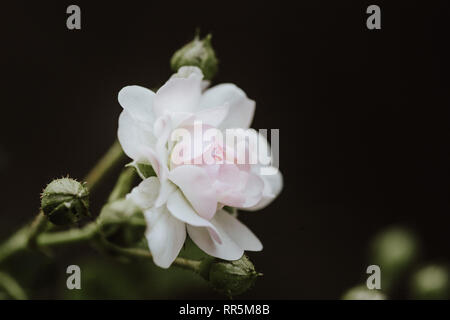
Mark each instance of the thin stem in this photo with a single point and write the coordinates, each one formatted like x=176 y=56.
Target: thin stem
x=193 y=265
x=111 y=158
x=12 y=287
x=15 y=243
x=68 y=237
x=123 y=184
x=19 y=241
x=37 y=226
x=188 y=264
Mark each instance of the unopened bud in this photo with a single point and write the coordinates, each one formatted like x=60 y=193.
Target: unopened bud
x=65 y=201
x=431 y=282
x=122 y=222
x=230 y=277
x=199 y=53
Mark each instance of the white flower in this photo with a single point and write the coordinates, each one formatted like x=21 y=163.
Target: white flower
x=188 y=195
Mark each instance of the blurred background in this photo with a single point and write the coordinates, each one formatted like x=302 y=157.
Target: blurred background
x=364 y=140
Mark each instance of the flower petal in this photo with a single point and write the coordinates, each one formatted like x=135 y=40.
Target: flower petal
x=213 y=116
x=241 y=110
x=253 y=191
x=273 y=183
x=227 y=249
x=181 y=93
x=197 y=187
x=138 y=102
x=133 y=138
x=237 y=231
x=248 y=146
x=182 y=210
x=165 y=236
x=167 y=188
x=145 y=194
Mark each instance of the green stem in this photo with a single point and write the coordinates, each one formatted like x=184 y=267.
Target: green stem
x=14 y=244
x=193 y=265
x=71 y=236
x=123 y=184
x=11 y=287
x=112 y=157
x=37 y=226
x=19 y=241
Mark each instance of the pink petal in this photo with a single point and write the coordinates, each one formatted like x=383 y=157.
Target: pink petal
x=197 y=187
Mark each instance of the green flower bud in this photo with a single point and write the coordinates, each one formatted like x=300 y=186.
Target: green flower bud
x=361 y=292
x=122 y=222
x=65 y=201
x=431 y=282
x=199 y=53
x=229 y=277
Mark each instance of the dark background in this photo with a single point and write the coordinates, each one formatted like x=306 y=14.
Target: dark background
x=363 y=118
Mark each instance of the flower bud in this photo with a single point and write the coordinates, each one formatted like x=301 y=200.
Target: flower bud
x=199 y=53
x=122 y=222
x=65 y=201
x=431 y=282
x=361 y=292
x=229 y=277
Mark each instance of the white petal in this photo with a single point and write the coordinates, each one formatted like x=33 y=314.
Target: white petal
x=237 y=231
x=133 y=138
x=213 y=116
x=167 y=188
x=165 y=236
x=145 y=194
x=205 y=84
x=273 y=184
x=181 y=93
x=227 y=249
x=182 y=210
x=241 y=110
x=197 y=186
x=138 y=102
x=249 y=146
x=253 y=190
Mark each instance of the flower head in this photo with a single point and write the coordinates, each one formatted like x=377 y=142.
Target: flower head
x=182 y=132
x=65 y=201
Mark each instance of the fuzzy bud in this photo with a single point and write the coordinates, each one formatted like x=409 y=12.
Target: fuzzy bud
x=199 y=53
x=229 y=277
x=65 y=201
